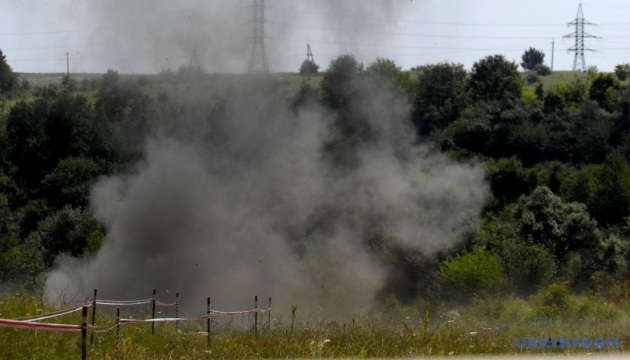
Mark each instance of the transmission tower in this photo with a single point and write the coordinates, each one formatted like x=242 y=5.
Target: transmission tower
x=194 y=61
x=579 y=34
x=309 y=54
x=258 y=60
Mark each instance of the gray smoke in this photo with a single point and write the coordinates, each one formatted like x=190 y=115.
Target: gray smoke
x=148 y=36
x=247 y=204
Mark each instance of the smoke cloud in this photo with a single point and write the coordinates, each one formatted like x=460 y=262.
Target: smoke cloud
x=247 y=203
x=148 y=36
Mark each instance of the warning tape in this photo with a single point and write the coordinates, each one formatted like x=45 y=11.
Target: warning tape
x=31 y=322
x=49 y=315
x=42 y=326
x=198 y=333
x=159 y=303
x=231 y=313
x=124 y=303
x=99 y=329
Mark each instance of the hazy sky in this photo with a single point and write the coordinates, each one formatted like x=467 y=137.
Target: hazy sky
x=147 y=36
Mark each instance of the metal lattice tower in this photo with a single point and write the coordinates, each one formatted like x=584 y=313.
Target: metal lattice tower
x=194 y=61
x=579 y=36
x=258 y=60
x=309 y=54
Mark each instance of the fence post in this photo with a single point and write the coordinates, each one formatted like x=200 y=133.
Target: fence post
x=84 y=324
x=176 y=311
x=208 y=323
x=117 y=331
x=256 y=315
x=93 y=316
x=153 y=314
x=269 y=315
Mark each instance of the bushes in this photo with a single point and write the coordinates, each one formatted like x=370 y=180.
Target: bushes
x=477 y=272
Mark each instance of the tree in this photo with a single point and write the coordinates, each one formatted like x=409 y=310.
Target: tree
x=70 y=182
x=542 y=70
x=605 y=90
x=527 y=265
x=469 y=273
x=441 y=96
x=558 y=226
x=532 y=58
x=495 y=78
x=622 y=71
x=308 y=67
x=26 y=150
x=8 y=79
x=605 y=189
x=68 y=230
x=337 y=84
x=56 y=126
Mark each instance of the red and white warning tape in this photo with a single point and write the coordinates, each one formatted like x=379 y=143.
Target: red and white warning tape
x=41 y=326
x=32 y=322
x=230 y=313
x=50 y=315
x=124 y=303
x=159 y=303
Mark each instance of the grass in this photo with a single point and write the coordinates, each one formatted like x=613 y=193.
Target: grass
x=486 y=326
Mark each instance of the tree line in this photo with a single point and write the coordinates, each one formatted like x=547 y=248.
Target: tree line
x=556 y=161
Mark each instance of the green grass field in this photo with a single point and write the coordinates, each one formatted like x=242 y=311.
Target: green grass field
x=485 y=326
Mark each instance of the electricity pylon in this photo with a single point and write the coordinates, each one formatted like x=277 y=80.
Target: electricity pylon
x=579 y=34
x=258 y=60
x=194 y=61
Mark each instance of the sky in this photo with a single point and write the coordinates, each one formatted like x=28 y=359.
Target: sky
x=149 y=36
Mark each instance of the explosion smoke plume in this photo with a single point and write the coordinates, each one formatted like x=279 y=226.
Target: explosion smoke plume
x=247 y=203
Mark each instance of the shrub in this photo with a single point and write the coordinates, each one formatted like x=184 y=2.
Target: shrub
x=475 y=272
x=622 y=71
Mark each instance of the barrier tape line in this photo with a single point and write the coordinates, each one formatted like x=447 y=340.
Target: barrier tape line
x=199 y=318
x=101 y=329
x=231 y=313
x=31 y=322
x=42 y=326
x=159 y=303
x=198 y=333
x=123 y=303
x=49 y=315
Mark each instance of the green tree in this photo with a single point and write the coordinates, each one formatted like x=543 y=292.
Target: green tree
x=475 y=272
x=605 y=91
x=384 y=74
x=589 y=130
x=308 y=67
x=495 y=78
x=542 y=70
x=527 y=265
x=622 y=71
x=441 y=96
x=338 y=86
x=40 y=133
x=8 y=79
x=70 y=182
x=532 y=58
x=605 y=189
x=26 y=151
x=68 y=230
x=558 y=226
x=509 y=180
